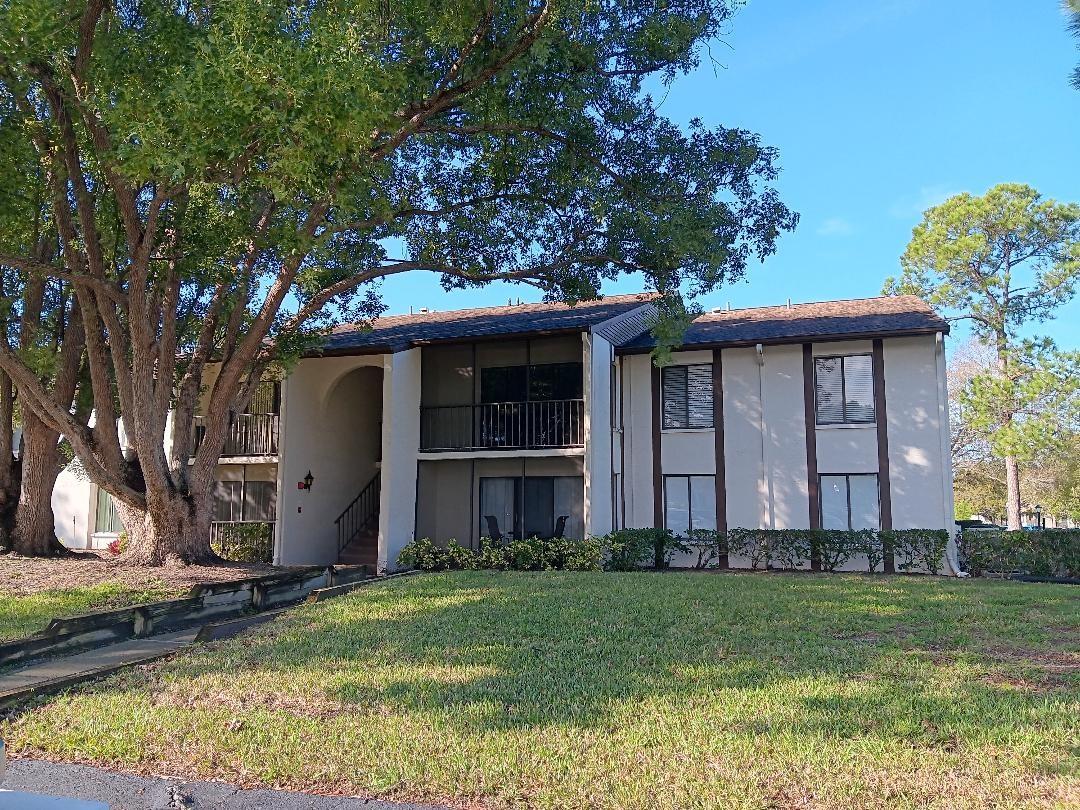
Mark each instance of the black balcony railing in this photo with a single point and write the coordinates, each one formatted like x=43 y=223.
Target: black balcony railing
x=250 y=434
x=503 y=425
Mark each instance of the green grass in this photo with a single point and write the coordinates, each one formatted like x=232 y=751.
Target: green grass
x=618 y=690
x=22 y=615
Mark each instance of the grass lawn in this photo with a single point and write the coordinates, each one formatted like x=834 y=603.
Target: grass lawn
x=618 y=690
x=23 y=614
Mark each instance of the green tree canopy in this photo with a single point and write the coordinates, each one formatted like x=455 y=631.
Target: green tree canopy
x=1004 y=261
x=229 y=180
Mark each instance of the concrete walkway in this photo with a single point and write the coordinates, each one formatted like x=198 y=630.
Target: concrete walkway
x=55 y=673
x=124 y=792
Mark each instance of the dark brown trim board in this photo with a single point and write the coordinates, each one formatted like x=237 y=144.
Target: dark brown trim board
x=657 y=466
x=881 y=416
x=813 y=482
x=718 y=433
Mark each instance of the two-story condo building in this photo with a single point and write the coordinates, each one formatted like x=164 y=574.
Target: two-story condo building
x=548 y=420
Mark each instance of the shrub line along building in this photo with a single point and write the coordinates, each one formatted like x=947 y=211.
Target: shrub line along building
x=551 y=420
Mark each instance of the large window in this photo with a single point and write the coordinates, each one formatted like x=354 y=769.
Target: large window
x=689 y=503
x=531 y=506
x=245 y=500
x=537 y=383
x=844 y=389
x=106 y=521
x=850 y=502
x=688 y=396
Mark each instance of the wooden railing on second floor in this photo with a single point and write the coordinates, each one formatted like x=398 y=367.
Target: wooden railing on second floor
x=250 y=434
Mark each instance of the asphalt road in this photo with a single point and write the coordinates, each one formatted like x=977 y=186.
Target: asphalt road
x=124 y=792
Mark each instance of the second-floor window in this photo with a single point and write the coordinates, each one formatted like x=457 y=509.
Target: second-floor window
x=844 y=389
x=688 y=396
x=538 y=383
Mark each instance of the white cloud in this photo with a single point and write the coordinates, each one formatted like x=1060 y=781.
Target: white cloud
x=835 y=226
x=912 y=206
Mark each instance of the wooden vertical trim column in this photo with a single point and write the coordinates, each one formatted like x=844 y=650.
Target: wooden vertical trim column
x=657 y=465
x=881 y=418
x=813 y=483
x=721 y=464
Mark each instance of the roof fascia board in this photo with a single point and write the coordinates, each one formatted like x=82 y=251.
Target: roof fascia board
x=791 y=339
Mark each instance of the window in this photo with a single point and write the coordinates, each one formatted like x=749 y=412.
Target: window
x=539 y=383
x=844 y=389
x=689 y=503
x=106 y=521
x=245 y=500
x=850 y=502
x=688 y=396
x=533 y=506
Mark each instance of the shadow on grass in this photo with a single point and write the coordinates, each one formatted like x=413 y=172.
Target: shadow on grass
x=894 y=658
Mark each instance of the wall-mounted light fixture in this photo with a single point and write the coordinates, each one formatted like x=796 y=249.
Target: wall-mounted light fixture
x=309 y=479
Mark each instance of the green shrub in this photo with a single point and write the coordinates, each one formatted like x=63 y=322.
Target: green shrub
x=631 y=549
x=790 y=549
x=239 y=542
x=492 y=556
x=530 y=554
x=1046 y=553
x=424 y=555
x=707 y=545
x=916 y=549
x=835 y=547
x=585 y=555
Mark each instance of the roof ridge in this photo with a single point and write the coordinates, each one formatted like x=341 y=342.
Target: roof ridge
x=459 y=314
x=793 y=304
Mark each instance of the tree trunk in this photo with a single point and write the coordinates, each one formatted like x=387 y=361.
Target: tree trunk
x=1012 y=493
x=35 y=534
x=175 y=529
x=10 y=467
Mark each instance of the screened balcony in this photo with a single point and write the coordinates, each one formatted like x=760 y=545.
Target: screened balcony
x=254 y=433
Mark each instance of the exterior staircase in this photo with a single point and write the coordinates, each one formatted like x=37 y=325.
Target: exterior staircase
x=358 y=527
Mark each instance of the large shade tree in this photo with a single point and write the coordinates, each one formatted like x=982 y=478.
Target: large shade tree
x=228 y=180
x=1004 y=262
x=39 y=320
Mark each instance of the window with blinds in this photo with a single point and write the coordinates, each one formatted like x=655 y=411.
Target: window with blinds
x=844 y=389
x=687 y=396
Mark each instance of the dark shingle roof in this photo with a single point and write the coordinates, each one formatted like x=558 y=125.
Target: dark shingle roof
x=399 y=332
x=867 y=317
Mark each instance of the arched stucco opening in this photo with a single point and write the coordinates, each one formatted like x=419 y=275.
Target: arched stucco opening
x=334 y=430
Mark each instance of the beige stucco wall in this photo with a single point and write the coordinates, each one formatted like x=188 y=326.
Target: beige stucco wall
x=921 y=486
x=765 y=436
x=72 y=505
x=599 y=356
x=444 y=495
x=743 y=456
x=637 y=438
x=330 y=426
x=400 y=446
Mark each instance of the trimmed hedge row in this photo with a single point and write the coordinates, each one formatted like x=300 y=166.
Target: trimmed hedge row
x=635 y=549
x=1046 y=553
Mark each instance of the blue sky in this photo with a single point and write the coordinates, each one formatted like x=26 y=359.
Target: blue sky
x=879 y=109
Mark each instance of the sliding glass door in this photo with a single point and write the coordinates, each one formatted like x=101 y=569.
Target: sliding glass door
x=531 y=506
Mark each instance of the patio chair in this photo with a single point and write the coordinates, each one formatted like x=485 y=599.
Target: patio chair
x=560 y=525
x=493 y=529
